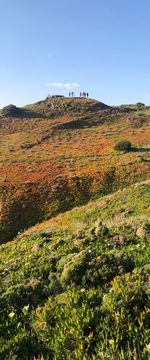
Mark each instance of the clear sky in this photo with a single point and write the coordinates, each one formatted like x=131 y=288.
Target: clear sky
x=54 y=46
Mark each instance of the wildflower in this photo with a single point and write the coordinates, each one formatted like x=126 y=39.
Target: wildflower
x=26 y=307
x=82 y=290
x=11 y=314
x=111 y=342
x=148 y=347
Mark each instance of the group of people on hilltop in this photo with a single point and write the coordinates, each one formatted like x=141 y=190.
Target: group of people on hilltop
x=72 y=94
x=82 y=94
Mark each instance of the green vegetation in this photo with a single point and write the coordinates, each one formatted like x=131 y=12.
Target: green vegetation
x=77 y=286
x=123 y=145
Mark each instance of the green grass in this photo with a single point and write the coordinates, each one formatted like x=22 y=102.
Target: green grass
x=71 y=290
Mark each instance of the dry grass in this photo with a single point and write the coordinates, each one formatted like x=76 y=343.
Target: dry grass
x=36 y=156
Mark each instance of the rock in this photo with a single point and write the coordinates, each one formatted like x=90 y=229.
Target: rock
x=119 y=239
x=98 y=231
x=143 y=231
x=26 y=146
x=35 y=248
x=80 y=234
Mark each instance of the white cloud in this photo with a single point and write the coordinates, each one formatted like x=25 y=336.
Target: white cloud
x=68 y=86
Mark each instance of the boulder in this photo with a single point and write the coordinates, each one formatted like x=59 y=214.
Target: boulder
x=143 y=231
x=119 y=239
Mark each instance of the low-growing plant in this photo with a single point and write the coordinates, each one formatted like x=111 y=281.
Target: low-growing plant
x=123 y=145
x=68 y=296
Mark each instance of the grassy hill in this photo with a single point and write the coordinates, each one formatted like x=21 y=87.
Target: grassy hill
x=74 y=231
x=59 y=153
x=77 y=286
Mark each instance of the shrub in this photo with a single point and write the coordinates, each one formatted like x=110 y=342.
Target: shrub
x=11 y=110
x=140 y=105
x=123 y=145
x=74 y=268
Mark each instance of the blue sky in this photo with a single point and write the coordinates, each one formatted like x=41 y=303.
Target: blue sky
x=54 y=46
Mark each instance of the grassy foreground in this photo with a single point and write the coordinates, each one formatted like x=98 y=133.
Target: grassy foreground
x=77 y=286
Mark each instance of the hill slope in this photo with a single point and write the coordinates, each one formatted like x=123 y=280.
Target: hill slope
x=77 y=286
x=59 y=153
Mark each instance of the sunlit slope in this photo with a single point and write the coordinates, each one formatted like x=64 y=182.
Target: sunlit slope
x=82 y=277
x=62 y=155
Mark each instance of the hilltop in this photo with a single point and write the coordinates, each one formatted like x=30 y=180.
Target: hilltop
x=59 y=153
x=55 y=107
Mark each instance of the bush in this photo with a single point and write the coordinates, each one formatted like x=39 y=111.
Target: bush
x=140 y=105
x=11 y=110
x=123 y=145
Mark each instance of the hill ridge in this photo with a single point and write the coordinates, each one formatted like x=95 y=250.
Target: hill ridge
x=98 y=202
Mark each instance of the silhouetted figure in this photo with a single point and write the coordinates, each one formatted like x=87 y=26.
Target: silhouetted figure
x=84 y=94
